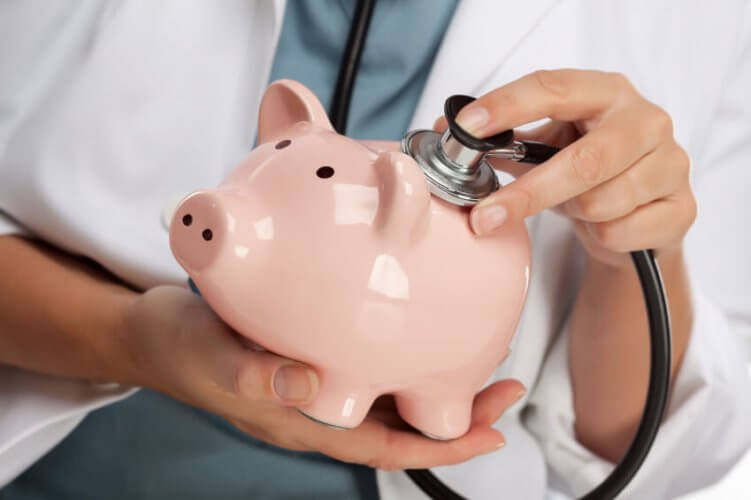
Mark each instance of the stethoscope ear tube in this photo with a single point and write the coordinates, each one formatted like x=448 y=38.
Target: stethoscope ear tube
x=657 y=393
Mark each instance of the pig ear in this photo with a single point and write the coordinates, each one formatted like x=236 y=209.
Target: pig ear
x=285 y=103
x=404 y=199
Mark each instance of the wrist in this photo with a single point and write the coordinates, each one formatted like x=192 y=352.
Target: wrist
x=126 y=354
x=152 y=329
x=670 y=261
x=110 y=346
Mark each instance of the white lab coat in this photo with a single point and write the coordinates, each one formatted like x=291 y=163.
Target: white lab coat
x=110 y=110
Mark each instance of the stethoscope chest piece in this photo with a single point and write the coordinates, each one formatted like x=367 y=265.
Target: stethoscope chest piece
x=455 y=163
x=446 y=180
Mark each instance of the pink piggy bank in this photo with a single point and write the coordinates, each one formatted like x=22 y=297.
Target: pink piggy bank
x=332 y=252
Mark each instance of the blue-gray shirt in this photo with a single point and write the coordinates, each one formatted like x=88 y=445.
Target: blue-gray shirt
x=151 y=447
x=402 y=41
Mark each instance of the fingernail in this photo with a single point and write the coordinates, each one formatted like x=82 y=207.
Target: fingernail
x=487 y=219
x=473 y=119
x=496 y=446
x=293 y=383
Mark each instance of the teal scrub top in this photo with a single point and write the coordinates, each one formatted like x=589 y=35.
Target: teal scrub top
x=149 y=446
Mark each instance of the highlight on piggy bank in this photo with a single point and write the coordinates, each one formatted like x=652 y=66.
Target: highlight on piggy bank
x=332 y=251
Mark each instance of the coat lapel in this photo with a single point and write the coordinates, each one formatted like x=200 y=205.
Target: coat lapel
x=479 y=39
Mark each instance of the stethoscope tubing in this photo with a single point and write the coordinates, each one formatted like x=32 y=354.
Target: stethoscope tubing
x=646 y=267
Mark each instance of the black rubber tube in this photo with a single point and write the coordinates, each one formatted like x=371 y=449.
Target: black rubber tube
x=345 y=81
x=537 y=152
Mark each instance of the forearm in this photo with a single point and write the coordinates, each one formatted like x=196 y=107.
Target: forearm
x=59 y=315
x=609 y=350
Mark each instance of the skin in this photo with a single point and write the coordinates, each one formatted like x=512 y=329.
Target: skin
x=623 y=182
x=73 y=319
x=621 y=179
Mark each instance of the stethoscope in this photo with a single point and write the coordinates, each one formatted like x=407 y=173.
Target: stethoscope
x=457 y=170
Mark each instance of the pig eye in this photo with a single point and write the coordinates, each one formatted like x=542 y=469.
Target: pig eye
x=283 y=144
x=325 y=172
x=187 y=220
x=207 y=234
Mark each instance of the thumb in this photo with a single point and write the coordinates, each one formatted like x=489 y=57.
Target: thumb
x=262 y=376
x=182 y=348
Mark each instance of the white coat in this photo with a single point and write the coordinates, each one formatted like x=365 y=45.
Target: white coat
x=110 y=110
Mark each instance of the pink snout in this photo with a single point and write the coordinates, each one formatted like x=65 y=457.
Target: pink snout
x=198 y=230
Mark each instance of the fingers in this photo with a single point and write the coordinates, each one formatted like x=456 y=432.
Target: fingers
x=660 y=224
x=597 y=157
x=553 y=132
x=265 y=377
x=207 y=358
x=495 y=399
x=567 y=95
x=383 y=448
x=441 y=124
x=258 y=376
x=655 y=176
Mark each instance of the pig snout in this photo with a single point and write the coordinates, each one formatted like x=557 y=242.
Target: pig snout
x=198 y=230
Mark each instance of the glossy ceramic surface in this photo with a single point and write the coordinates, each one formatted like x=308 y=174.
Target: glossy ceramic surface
x=332 y=252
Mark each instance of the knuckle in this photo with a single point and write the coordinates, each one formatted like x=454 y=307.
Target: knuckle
x=252 y=381
x=504 y=99
x=528 y=201
x=661 y=121
x=590 y=207
x=692 y=209
x=620 y=83
x=620 y=80
x=551 y=82
x=682 y=161
x=634 y=191
x=608 y=236
x=586 y=162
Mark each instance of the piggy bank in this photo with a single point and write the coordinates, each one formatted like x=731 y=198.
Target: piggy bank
x=332 y=251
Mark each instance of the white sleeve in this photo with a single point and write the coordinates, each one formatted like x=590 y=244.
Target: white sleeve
x=704 y=433
x=39 y=42
x=38 y=411
x=706 y=429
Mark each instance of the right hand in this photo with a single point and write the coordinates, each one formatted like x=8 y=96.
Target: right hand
x=178 y=346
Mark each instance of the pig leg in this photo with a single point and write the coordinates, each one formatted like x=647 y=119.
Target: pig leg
x=341 y=402
x=437 y=414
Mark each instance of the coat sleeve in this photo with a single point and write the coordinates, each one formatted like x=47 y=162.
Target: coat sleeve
x=706 y=429
x=39 y=42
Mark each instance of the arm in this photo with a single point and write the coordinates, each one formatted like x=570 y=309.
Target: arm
x=622 y=191
x=705 y=430
x=62 y=310
x=63 y=316
x=609 y=350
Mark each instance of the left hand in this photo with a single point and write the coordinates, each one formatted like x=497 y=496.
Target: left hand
x=620 y=177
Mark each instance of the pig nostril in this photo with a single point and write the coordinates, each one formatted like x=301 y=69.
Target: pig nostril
x=325 y=172
x=187 y=219
x=207 y=234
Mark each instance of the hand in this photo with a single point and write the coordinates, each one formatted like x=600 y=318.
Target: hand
x=621 y=177
x=179 y=346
